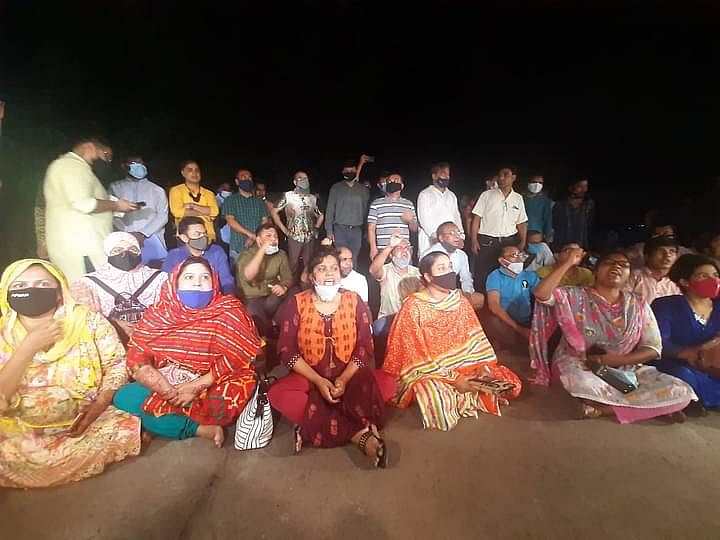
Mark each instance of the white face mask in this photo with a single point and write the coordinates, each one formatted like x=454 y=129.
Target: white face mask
x=535 y=187
x=271 y=250
x=515 y=267
x=327 y=292
x=225 y=194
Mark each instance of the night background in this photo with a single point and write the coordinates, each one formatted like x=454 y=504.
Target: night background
x=623 y=93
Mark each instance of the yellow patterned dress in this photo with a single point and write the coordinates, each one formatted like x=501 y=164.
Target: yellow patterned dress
x=35 y=450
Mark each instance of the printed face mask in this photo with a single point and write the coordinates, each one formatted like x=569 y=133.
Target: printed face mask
x=33 y=301
x=125 y=260
x=137 y=170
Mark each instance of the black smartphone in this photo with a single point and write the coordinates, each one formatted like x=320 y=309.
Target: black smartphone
x=140 y=204
x=614 y=377
x=371 y=159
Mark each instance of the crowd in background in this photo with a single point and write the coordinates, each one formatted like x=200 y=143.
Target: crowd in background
x=153 y=313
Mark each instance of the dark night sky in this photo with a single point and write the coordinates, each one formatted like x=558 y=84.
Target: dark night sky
x=627 y=95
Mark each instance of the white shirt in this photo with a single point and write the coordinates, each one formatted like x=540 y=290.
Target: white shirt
x=356 y=283
x=435 y=207
x=149 y=220
x=461 y=266
x=500 y=215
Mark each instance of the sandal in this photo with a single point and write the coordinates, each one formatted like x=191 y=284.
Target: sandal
x=381 y=455
x=298 y=440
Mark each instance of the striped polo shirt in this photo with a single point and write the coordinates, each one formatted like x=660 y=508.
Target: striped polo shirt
x=385 y=215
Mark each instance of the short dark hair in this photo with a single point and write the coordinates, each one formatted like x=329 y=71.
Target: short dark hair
x=428 y=260
x=91 y=140
x=686 y=265
x=438 y=231
x=320 y=254
x=652 y=245
x=609 y=253
x=187 y=162
x=185 y=223
x=439 y=166
x=265 y=226
x=349 y=163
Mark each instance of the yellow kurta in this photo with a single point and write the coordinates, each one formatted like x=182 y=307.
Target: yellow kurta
x=179 y=196
x=71 y=192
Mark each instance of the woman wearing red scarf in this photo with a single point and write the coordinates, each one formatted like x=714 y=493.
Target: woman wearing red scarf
x=191 y=357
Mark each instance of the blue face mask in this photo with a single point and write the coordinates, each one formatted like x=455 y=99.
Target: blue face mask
x=137 y=170
x=195 y=299
x=246 y=185
x=533 y=248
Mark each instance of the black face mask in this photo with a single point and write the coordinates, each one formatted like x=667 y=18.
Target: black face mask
x=393 y=187
x=125 y=260
x=33 y=301
x=446 y=281
x=349 y=176
x=101 y=168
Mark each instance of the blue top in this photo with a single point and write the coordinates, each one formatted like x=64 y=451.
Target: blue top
x=214 y=254
x=539 y=213
x=678 y=326
x=515 y=293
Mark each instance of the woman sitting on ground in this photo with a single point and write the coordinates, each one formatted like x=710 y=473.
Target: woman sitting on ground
x=123 y=287
x=60 y=365
x=439 y=354
x=604 y=325
x=690 y=327
x=333 y=395
x=191 y=356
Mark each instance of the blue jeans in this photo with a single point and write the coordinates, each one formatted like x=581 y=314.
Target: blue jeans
x=349 y=237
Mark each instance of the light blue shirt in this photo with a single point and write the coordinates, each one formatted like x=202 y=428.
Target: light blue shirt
x=149 y=220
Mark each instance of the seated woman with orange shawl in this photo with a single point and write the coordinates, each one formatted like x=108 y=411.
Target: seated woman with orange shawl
x=60 y=365
x=332 y=395
x=440 y=356
x=191 y=356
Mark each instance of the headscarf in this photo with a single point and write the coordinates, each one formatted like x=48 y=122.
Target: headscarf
x=74 y=316
x=160 y=323
x=121 y=239
x=123 y=282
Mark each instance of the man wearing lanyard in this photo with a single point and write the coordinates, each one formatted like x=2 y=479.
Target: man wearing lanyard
x=499 y=220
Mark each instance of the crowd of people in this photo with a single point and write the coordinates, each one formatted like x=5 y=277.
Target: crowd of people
x=112 y=336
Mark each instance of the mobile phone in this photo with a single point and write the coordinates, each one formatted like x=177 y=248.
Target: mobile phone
x=140 y=204
x=371 y=159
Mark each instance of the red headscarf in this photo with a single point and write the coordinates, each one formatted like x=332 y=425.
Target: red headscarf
x=220 y=337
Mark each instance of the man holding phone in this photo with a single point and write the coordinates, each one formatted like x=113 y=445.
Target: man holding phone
x=147 y=223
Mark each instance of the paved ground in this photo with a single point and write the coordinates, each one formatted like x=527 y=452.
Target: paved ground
x=534 y=473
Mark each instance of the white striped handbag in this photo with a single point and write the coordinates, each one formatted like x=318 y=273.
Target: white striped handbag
x=254 y=427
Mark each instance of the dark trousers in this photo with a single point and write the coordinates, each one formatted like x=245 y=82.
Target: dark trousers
x=349 y=236
x=299 y=249
x=487 y=259
x=263 y=310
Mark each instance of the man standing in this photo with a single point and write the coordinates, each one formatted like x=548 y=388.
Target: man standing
x=189 y=199
x=499 y=220
x=78 y=209
x=347 y=208
x=351 y=280
x=303 y=220
x=148 y=221
x=224 y=191
x=451 y=241
x=538 y=208
x=244 y=213
x=436 y=204
x=389 y=215
x=652 y=281
x=573 y=218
